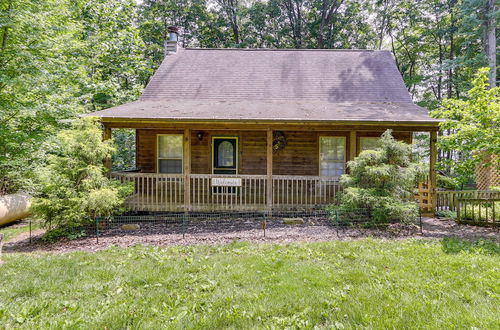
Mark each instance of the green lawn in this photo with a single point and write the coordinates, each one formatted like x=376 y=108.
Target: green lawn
x=367 y=283
x=12 y=231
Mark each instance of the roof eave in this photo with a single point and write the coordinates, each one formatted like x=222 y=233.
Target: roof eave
x=430 y=123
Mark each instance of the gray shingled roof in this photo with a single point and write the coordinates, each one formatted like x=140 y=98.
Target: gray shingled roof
x=261 y=84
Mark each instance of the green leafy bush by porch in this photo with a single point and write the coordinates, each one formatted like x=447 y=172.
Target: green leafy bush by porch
x=382 y=181
x=72 y=187
x=471 y=126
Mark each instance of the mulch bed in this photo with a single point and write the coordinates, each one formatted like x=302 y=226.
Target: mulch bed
x=222 y=232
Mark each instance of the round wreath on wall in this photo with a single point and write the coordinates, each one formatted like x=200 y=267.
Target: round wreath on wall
x=279 y=141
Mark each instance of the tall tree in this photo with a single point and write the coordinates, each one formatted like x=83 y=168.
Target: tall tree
x=473 y=125
x=491 y=42
x=230 y=10
x=112 y=52
x=327 y=9
x=37 y=74
x=295 y=17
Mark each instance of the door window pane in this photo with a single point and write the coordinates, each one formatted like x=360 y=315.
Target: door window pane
x=225 y=154
x=332 y=155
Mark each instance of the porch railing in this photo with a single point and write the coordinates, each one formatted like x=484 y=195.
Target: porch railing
x=154 y=192
x=166 y=192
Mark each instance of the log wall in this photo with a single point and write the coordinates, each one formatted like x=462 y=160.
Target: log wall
x=299 y=157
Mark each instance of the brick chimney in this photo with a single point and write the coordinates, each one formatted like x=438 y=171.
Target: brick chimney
x=171 y=42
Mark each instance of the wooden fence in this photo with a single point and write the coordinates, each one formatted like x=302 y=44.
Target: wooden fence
x=448 y=200
x=478 y=211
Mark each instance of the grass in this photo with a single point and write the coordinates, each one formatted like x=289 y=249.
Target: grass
x=369 y=283
x=15 y=229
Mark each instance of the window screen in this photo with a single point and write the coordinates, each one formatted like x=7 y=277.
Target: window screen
x=332 y=155
x=170 y=154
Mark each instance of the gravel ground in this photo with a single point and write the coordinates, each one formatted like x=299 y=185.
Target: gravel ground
x=314 y=229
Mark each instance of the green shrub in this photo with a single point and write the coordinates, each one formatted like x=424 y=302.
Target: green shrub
x=446 y=214
x=447 y=183
x=382 y=181
x=72 y=187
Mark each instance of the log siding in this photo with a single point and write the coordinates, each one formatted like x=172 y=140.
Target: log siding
x=299 y=157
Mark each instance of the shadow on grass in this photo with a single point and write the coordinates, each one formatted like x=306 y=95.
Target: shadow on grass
x=453 y=245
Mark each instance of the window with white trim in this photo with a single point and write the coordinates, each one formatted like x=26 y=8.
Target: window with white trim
x=170 y=153
x=332 y=155
x=368 y=143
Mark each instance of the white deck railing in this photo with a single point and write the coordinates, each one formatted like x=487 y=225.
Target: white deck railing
x=167 y=192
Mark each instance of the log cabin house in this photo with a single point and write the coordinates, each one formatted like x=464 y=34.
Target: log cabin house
x=260 y=129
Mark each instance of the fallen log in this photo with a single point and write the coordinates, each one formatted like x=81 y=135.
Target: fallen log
x=14 y=207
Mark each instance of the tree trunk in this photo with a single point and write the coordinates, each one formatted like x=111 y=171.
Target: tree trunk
x=327 y=11
x=294 y=13
x=232 y=12
x=385 y=19
x=230 y=9
x=491 y=43
x=5 y=32
x=452 y=50
x=440 y=76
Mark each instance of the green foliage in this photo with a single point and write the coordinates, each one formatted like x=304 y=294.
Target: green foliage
x=446 y=214
x=447 y=183
x=383 y=182
x=37 y=39
x=473 y=124
x=62 y=58
x=72 y=186
x=124 y=157
x=379 y=284
x=58 y=59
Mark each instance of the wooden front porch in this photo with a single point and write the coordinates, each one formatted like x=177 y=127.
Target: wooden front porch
x=178 y=167
x=213 y=192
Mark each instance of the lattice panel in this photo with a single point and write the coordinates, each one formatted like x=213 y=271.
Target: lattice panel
x=488 y=176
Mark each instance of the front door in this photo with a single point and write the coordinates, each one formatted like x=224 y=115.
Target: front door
x=225 y=155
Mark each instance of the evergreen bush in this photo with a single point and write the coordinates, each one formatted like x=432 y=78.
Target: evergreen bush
x=72 y=187
x=383 y=182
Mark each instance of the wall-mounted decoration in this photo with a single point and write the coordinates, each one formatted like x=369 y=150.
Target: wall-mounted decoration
x=279 y=141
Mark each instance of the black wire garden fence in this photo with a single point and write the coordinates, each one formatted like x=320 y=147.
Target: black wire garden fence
x=259 y=223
